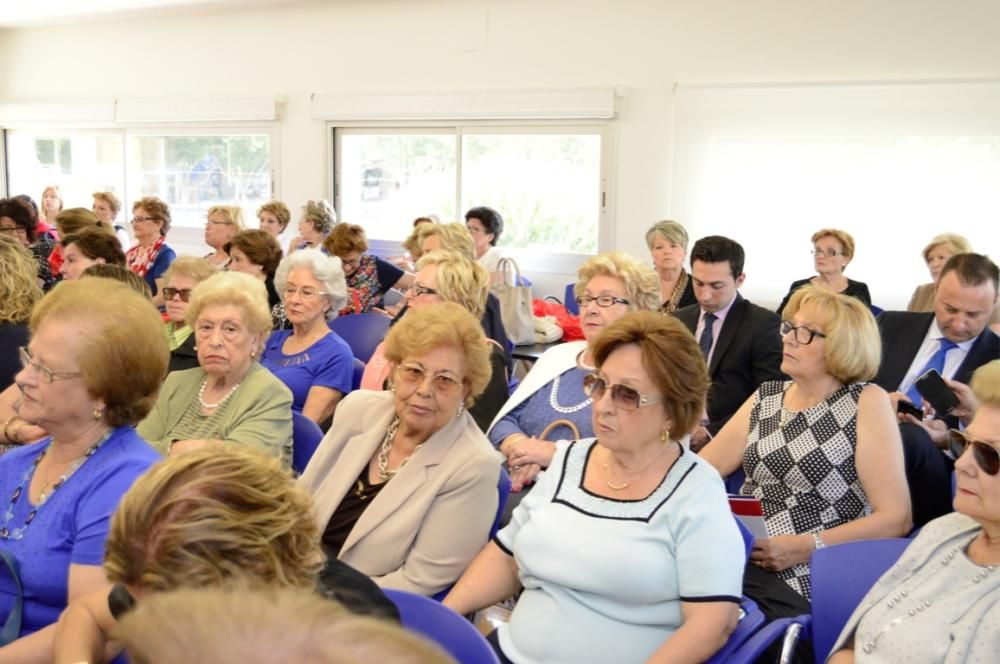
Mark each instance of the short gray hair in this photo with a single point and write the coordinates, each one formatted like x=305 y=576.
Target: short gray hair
x=671 y=231
x=327 y=270
x=321 y=214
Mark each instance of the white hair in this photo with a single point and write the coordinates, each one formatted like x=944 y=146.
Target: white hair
x=326 y=269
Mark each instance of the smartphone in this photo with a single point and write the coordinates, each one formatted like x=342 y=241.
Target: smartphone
x=905 y=407
x=937 y=393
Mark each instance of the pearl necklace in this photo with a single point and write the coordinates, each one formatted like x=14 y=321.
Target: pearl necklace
x=869 y=646
x=210 y=406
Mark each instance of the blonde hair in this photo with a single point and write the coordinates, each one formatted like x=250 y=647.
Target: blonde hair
x=123 y=353
x=236 y=289
x=19 y=289
x=954 y=241
x=671 y=231
x=843 y=237
x=192 y=267
x=454 y=237
x=110 y=199
x=459 y=280
x=986 y=384
x=671 y=357
x=225 y=626
x=74 y=220
x=279 y=210
x=55 y=190
x=641 y=281
x=321 y=214
x=232 y=213
x=853 y=348
x=211 y=518
x=447 y=324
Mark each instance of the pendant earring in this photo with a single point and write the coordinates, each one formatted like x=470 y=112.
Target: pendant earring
x=461 y=409
x=663 y=436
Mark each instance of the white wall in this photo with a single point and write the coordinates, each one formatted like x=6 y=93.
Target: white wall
x=385 y=46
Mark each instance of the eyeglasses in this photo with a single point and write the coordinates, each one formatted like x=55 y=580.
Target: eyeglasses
x=987 y=457
x=829 y=253
x=211 y=222
x=171 y=293
x=136 y=220
x=419 y=290
x=306 y=293
x=48 y=375
x=601 y=300
x=804 y=335
x=413 y=375
x=622 y=396
x=351 y=261
x=13 y=230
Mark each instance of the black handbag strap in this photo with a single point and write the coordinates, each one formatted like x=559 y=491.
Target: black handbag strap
x=12 y=628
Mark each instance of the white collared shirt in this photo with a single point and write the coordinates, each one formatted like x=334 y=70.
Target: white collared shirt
x=932 y=342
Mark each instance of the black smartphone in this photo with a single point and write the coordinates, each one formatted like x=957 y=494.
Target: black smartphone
x=937 y=393
x=907 y=408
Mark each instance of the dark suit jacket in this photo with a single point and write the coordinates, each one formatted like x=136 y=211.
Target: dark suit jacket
x=747 y=353
x=902 y=334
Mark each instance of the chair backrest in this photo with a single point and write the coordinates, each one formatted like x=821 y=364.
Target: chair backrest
x=357 y=373
x=569 y=301
x=748 y=537
x=842 y=575
x=362 y=332
x=456 y=635
x=503 y=489
x=306 y=436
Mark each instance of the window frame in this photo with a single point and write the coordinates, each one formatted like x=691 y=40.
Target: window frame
x=534 y=261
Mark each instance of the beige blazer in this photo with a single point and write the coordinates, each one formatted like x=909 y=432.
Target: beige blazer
x=427 y=524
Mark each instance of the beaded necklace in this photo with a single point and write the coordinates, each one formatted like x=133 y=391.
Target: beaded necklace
x=6 y=532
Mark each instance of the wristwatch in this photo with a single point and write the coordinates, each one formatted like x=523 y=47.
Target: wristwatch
x=817 y=542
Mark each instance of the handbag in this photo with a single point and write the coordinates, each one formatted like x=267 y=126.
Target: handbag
x=11 y=630
x=544 y=435
x=515 y=303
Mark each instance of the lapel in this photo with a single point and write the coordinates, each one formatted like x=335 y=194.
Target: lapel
x=728 y=332
x=983 y=350
x=411 y=478
x=904 y=348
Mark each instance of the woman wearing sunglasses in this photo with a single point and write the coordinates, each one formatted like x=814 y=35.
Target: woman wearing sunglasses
x=608 y=287
x=405 y=483
x=941 y=601
x=181 y=278
x=632 y=498
x=821 y=452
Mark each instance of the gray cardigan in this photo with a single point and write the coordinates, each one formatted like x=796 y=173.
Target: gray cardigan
x=975 y=635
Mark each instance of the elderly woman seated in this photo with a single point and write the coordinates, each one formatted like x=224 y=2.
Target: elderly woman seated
x=318 y=219
x=95 y=361
x=368 y=277
x=262 y=535
x=229 y=398
x=150 y=256
x=274 y=217
x=668 y=244
x=936 y=254
x=832 y=252
x=631 y=496
x=609 y=286
x=315 y=363
x=939 y=602
x=821 y=452
x=257 y=253
x=17 y=222
x=405 y=483
x=181 y=278
x=70 y=222
x=445 y=276
x=221 y=224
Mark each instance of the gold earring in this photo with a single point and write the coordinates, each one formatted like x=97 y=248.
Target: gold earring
x=98 y=413
x=663 y=436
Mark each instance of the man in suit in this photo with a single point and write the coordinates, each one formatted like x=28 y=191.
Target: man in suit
x=739 y=340
x=954 y=340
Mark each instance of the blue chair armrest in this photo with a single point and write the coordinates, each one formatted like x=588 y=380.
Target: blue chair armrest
x=755 y=646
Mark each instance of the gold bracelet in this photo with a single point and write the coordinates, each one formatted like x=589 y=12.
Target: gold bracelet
x=12 y=437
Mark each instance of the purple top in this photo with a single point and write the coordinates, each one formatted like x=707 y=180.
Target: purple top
x=327 y=363
x=532 y=415
x=69 y=528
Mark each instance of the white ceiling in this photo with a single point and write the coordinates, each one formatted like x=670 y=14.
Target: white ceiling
x=16 y=13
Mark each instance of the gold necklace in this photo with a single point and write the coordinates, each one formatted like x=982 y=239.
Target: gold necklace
x=625 y=485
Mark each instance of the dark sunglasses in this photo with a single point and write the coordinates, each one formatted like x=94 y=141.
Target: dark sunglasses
x=622 y=396
x=987 y=457
x=170 y=293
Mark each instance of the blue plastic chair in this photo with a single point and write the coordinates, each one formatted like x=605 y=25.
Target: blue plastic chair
x=751 y=620
x=357 y=373
x=362 y=332
x=735 y=481
x=306 y=436
x=842 y=575
x=452 y=632
x=569 y=301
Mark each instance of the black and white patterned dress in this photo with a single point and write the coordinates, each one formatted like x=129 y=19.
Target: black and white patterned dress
x=800 y=465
